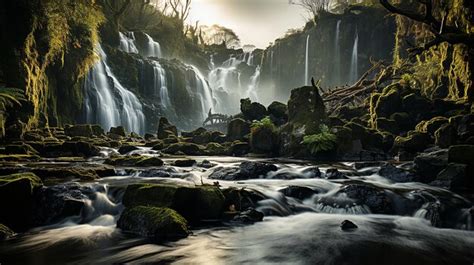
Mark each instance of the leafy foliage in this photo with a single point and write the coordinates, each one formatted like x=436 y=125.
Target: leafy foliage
x=9 y=97
x=263 y=123
x=321 y=142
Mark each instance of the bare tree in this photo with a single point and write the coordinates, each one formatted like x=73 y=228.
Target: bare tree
x=179 y=8
x=217 y=34
x=437 y=26
x=314 y=7
x=117 y=8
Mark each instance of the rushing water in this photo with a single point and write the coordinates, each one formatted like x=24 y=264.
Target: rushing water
x=127 y=42
x=296 y=230
x=153 y=48
x=354 y=70
x=306 y=62
x=108 y=103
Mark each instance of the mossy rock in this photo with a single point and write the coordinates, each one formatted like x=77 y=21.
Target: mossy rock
x=278 y=113
x=21 y=149
x=387 y=125
x=166 y=129
x=404 y=120
x=119 y=130
x=238 y=148
x=77 y=172
x=386 y=103
x=263 y=140
x=185 y=148
x=432 y=125
x=416 y=104
x=237 y=129
x=157 y=223
x=135 y=161
x=414 y=142
x=16 y=199
x=215 y=149
x=252 y=110
x=5 y=232
x=306 y=108
x=84 y=130
x=194 y=203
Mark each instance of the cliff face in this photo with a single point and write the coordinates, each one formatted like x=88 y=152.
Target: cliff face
x=339 y=49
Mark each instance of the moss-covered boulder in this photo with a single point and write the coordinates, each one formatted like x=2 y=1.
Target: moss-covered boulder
x=238 y=148
x=119 y=130
x=238 y=129
x=84 y=130
x=185 y=148
x=135 y=161
x=127 y=149
x=166 y=129
x=387 y=125
x=215 y=149
x=16 y=199
x=414 y=142
x=194 y=203
x=252 y=110
x=306 y=109
x=386 y=103
x=21 y=149
x=5 y=232
x=432 y=125
x=157 y=223
x=278 y=113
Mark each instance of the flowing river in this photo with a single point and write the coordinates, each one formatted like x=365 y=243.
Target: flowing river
x=303 y=215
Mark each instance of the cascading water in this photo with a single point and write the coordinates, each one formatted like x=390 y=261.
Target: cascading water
x=153 y=48
x=306 y=65
x=252 y=90
x=127 y=42
x=354 y=71
x=203 y=91
x=161 y=90
x=108 y=103
x=337 y=55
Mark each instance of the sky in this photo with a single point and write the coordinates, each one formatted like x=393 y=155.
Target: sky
x=256 y=22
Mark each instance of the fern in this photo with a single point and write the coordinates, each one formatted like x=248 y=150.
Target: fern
x=321 y=142
x=263 y=123
x=9 y=97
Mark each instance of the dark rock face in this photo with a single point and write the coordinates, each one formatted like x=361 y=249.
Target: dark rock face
x=454 y=177
x=246 y=170
x=252 y=110
x=239 y=148
x=263 y=140
x=427 y=166
x=306 y=108
x=445 y=136
x=166 y=129
x=184 y=163
x=414 y=142
x=155 y=222
x=83 y=130
x=463 y=154
x=5 y=232
x=237 y=129
x=16 y=200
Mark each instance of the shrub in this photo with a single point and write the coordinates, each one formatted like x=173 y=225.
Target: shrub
x=263 y=123
x=320 y=142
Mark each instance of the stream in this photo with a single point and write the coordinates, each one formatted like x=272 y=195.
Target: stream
x=303 y=215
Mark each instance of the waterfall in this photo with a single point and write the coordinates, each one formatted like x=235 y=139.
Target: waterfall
x=153 y=48
x=161 y=90
x=306 y=66
x=354 y=71
x=203 y=91
x=252 y=91
x=127 y=42
x=337 y=55
x=108 y=103
x=250 y=58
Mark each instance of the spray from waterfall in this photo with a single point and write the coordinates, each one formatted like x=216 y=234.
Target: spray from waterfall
x=306 y=67
x=354 y=71
x=108 y=103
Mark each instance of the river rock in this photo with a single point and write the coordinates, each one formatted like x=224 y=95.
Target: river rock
x=454 y=177
x=166 y=129
x=238 y=129
x=347 y=225
x=157 y=223
x=84 y=130
x=16 y=199
x=463 y=154
x=396 y=174
x=375 y=198
x=215 y=149
x=334 y=173
x=184 y=163
x=263 y=140
x=194 y=203
x=249 y=216
x=298 y=192
x=119 y=130
x=185 y=148
x=311 y=172
x=278 y=113
x=445 y=136
x=238 y=148
x=124 y=149
x=414 y=142
x=22 y=149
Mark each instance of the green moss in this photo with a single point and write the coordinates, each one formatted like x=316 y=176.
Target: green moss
x=156 y=222
x=430 y=126
x=33 y=180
